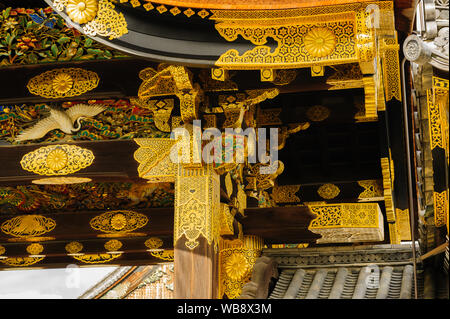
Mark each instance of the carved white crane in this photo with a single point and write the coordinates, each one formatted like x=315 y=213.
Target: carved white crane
x=62 y=120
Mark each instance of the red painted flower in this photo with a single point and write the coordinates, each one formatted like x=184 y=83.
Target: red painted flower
x=26 y=42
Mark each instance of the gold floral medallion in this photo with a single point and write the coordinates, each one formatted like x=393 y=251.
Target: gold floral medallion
x=328 y=191
x=320 y=42
x=118 y=221
x=113 y=245
x=57 y=159
x=236 y=266
x=35 y=249
x=62 y=83
x=2 y=250
x=74 y=247
x=153 y=243
x=82 y=11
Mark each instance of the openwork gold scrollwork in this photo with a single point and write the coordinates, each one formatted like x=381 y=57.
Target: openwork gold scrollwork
x=118 y=222
x=154 y=160
x=286 y=194
x=372 y=189
x=197 y=199
x=61 y=83
x=57 y=160
x=96 y=258
x=35 y=249
x=97 y=17
x=74 y=247
x=21 y=261
x=328 y=191
x=28 y=226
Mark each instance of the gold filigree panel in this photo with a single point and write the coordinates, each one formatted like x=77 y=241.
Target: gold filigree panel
x=154 y=160
x=403 y=223
x=57 y=160
x=285 y=194
x=391 y=68
x=21 y=261
x=373 y=189
x=26 y=226
x=118 y=222
x=97 y=17
x=302 y=42
x=440 y=201
x=62 y=83
x=96 y=258
x=352 y=222
x=236 y=261
x=328 y=191
x=197 y=200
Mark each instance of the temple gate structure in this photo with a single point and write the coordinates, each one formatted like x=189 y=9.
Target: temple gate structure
x=334 y=184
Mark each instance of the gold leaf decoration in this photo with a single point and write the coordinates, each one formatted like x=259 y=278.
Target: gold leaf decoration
x=21 y=261
x=236 y=266
x=119 y=221
x=317 y=113
x=61 y=180
x=96 y=17
x=113 y=245
x=165 y=254
x=28 y=225
x=154 y=160
x=328 y=191
x=62 y=83
x=57 y=160
x=74 y=247
x=82 y=11
x=2 y=250
x=35 y=249
x=96 y=258
x=320 y=42
x=153 y=243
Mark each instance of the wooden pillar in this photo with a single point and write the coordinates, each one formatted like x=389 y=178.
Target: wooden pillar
x=196 y=233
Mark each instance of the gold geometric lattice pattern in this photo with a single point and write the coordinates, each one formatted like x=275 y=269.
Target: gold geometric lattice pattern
x=57 y=160
x=350 y=222
x=62 y=83
x=391 y=68
x=28 y=225
x=236 y=265
x=197 y=205
x=388 y=188
x=302 y=42
x=154 y=160
x=403 y=223
x=440 y=208
x=435 y=122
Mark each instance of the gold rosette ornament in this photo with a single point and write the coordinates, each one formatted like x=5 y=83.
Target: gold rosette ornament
x=320 y=42
x=57 y=159
x=82 y=11
x=62 y=83
x=236 y=266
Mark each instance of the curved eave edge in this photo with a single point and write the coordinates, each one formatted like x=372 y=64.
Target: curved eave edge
x=117 y=45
